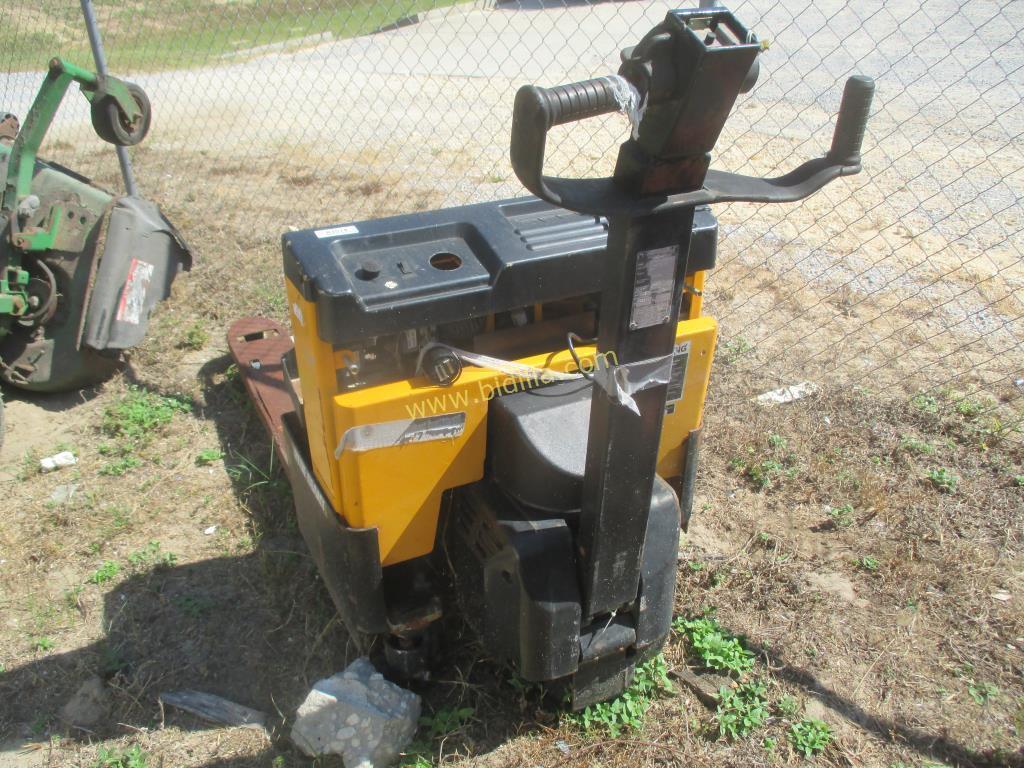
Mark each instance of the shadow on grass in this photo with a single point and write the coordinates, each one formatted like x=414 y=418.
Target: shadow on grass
x=255 y=625
x=929 y=745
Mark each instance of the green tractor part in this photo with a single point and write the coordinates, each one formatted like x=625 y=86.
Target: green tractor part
x=81 y=270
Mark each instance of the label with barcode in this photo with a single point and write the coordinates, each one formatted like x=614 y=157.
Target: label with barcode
x=677 y=379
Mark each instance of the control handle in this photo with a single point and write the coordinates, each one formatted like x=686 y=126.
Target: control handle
x=852 y=121
x=538 y=109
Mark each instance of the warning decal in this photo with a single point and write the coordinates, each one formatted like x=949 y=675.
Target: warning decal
x=133 y=297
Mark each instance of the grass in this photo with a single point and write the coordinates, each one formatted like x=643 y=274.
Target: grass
x=139 y=412
x=186 y=33
x=946 y=551
x=713 y=646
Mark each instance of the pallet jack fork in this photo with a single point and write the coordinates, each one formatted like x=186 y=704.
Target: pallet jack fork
x=555 y=507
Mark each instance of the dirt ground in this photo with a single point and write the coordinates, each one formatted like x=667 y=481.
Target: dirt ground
x=898 y=621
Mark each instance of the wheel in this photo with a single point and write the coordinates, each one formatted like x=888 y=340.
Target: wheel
x=110 y=124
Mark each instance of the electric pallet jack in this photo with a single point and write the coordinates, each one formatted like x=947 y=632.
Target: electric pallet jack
x=80 y=269
x=496 y=409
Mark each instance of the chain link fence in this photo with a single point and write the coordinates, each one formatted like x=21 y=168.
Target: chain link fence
x=273 y=114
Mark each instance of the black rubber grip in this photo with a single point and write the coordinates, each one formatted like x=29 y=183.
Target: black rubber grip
x=578 y=101
x=853 y=120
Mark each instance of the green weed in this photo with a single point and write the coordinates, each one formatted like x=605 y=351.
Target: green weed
x=627 y=711
x=841 y=517
x=982 y=692
x=788 y=705
x=445 y=722
x=715 y=648
x=195 y=337
x=734 y=349
x=925 y=403
x=209 y=456
x=131 y=758
x=151 y=554
x=810 y=737
x=193 y=607
x=777 y=441
x=120 y=466
x=106 y=572
x=741 y=710
x=970 y=408
x=1019 y=481
x=911 y=444
x=943 y=479
x=867 y=562
x=43 y=643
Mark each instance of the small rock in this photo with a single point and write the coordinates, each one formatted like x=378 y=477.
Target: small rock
x=788 y=394
x=210 y=531
x=58 y=460
x=359 y=715
x=89 y=704
x=63 y=493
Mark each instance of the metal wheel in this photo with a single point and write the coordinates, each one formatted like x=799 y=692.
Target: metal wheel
x=111 y=125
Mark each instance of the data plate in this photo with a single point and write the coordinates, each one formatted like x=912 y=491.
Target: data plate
x=653 y=286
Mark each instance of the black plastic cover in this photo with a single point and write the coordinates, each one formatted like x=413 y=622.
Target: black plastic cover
x=537 y=445
x=423 y=269
x=348 y=559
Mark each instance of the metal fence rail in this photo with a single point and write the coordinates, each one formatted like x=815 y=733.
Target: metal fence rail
x=905 y=278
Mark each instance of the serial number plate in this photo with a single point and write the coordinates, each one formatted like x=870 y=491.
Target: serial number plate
x=652 y=287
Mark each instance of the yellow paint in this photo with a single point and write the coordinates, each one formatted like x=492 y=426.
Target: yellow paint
x=398 y=489
x=318 y=381
x=689 y=410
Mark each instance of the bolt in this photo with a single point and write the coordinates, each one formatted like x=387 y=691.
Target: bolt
x=633 y=326
x=256 y=364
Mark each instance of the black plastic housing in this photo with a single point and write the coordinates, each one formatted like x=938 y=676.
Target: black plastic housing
x=377 y=277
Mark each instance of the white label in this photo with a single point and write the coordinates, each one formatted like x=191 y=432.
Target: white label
x=386 y=434
x=336 y=231
x=680 y=357
x=133 y=297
